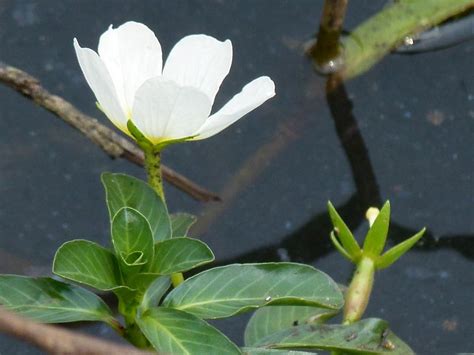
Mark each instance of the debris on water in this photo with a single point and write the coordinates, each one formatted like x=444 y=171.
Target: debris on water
x=450 y=325
x=435 y=117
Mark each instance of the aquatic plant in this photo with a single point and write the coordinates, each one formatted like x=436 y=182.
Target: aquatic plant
x=150 y=248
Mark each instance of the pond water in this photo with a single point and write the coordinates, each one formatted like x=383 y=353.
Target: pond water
x=409 y=139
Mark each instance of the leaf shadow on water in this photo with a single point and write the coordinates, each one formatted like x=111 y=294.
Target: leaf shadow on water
x=311 y=242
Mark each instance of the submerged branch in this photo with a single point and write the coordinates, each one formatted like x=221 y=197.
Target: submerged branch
x=111 y=143
x=56 y=340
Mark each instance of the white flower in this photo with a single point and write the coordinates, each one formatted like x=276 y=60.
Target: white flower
x=167 y=103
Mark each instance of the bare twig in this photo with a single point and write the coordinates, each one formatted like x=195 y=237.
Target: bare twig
x=57 y=340
x=112 y=143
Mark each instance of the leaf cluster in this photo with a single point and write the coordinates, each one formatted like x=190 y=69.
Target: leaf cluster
x=147 y=245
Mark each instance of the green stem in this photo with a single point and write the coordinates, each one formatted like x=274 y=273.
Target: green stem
x=155 y=179
x=153 y=170
x=358 y=293
x=327 y=48
x=128 y=308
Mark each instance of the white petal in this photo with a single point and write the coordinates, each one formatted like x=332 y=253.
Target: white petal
x=163 y=110
x=200 y=61
x=132 y=54
x=101 y=84
x=252 y=95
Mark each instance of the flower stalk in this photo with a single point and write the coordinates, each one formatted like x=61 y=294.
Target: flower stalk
x=155 y=180
x=358 y=293
x=153 y=170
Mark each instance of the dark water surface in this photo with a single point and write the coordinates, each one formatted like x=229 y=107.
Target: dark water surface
x=275 y=170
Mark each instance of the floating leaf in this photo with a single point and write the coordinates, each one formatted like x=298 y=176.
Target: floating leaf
x=132 y=237
x=344 y=233
x=377 y=36
x=49 y=301
x=155 y=292
x=228 y=290
x=368 y=336
x=126 y=191
x=180 y=254
x=392 y=255
x=377 y=234
x=180 y=223
x=268 y=320
x=175 y=332
x=88 y=263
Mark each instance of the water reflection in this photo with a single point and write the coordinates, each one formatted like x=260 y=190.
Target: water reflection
x=307 y=244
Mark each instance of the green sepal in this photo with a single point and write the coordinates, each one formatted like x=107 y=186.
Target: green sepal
x=349 y=243
x=377 y=235
x=160 y=146
x=99 y=107
x=393 y=254
x=146 y=144
x=142 y=141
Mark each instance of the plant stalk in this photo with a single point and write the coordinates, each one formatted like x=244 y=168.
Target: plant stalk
x=128 y=308
x=358 y=293
x=327 y=47
x=153 y=170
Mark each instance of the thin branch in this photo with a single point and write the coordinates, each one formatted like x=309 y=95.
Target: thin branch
x=57 y=340
x=112 y=143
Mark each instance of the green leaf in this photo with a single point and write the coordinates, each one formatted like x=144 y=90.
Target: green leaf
x=50 y=301
x=339 y=247
x=392 y=255
x=175 y=332
x=377 y=234
x=88 y=263
x=132 y=237
x=268 y=320
x=155 y=292
x=263 y=351
x=180 y=254
x=126 y=191
x=180 y=223
x=344 y=233
x=374 y=38
x=368 y=336
x=228 y=290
